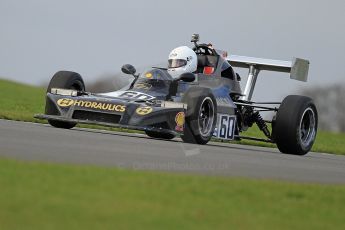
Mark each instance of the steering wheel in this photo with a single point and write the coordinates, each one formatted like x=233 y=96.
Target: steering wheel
x=203 y=49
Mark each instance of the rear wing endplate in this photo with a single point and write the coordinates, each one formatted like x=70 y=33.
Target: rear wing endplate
x=298 y=68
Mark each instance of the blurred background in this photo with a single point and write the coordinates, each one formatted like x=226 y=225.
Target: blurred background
x=95 y=38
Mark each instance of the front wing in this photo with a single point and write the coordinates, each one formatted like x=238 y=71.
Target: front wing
x=162 y=116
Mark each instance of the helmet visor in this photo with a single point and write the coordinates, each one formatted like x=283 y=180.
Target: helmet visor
x=176 y=63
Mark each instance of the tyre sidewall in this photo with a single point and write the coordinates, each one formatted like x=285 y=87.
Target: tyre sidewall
x=306 y=148
x=194 y=99
x=63 y=80
x=66 y=80
x=286 y=127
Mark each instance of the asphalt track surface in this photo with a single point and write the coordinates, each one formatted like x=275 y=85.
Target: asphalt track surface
x=38 y=142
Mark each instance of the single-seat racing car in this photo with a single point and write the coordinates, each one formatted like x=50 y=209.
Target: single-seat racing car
x=197 y=97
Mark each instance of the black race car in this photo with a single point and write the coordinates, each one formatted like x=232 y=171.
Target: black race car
x=196 y=106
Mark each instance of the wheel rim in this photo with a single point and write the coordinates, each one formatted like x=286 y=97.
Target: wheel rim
x=206 y=116
x=307 y=127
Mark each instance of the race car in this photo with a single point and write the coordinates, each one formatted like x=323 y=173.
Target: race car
x=197 y=97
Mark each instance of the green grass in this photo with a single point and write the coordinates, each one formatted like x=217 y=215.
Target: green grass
x=20 y=102
x=48 y=196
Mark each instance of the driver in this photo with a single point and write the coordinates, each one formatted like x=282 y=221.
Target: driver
x=182 y=60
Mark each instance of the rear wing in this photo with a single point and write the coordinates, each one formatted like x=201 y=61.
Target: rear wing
x=298 y=68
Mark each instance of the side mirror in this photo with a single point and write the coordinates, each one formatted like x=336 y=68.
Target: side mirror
x=187 y=77
x=128 y=69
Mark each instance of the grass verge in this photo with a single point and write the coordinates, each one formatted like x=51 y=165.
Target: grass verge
x=20 y=102
x=48 y=196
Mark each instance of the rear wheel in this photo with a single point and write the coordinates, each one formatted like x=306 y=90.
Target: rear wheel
x=63 y=80
x=201 y=115
x=167 y=136
x=295 y=126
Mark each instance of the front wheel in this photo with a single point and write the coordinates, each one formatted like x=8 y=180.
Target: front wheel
x=63 y=80
x=295 y=126
x=201 y=116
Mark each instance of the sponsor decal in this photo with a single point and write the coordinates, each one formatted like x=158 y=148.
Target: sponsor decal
x=136 y=95
x=145 y=86
x=173 y=55
x=172 y=104
x=66 y=102
x=144 y=110
x=148 y=75
x=180 y=120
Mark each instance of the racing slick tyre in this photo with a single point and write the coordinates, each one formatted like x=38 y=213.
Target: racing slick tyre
x=201 y=117
x=167 y=136
x=63 y=80
x=295 y=127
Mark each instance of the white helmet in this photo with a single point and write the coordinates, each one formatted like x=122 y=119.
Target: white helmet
x=181 y=60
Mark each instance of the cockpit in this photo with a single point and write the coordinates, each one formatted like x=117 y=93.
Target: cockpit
x=153 y=80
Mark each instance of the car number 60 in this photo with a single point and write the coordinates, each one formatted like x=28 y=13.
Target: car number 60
x=226 y=126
